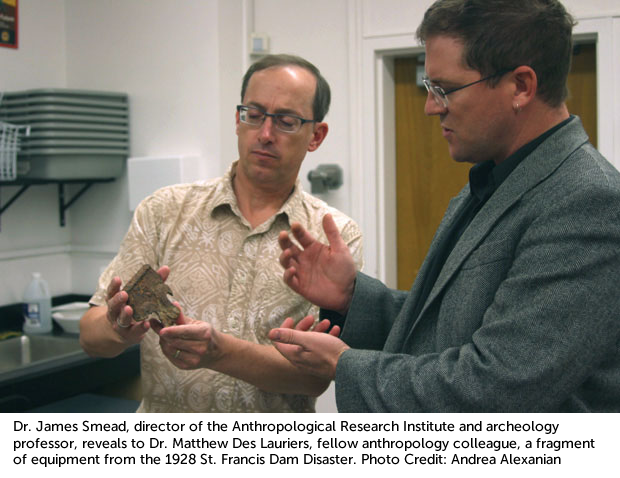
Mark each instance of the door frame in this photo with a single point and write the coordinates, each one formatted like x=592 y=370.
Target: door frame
x=374 y=195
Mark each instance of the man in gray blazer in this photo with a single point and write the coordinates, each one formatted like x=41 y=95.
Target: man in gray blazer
x=517 y=305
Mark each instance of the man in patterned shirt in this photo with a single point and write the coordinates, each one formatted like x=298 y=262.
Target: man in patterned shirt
x=215 y=244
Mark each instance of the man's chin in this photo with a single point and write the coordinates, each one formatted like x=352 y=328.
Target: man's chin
x=460 y=157
x=265 y=176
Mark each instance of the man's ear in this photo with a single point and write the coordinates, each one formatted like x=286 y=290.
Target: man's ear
x=320 y=131
x=526 y=85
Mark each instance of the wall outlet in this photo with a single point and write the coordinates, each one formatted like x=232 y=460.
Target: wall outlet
x=259 y=44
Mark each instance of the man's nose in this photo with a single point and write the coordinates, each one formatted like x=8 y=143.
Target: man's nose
x=265 y=132
x=432 y=106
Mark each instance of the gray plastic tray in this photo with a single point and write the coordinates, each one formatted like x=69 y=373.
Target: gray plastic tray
x=58 y=126
x=61 y=100
x=29 y=144
x=37 y=118
x=8 y=113
x=73 y=152
x=75 y=167
x=67 y=92
x=69 y=134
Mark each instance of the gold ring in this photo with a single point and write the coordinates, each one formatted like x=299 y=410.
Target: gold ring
x=177 y=353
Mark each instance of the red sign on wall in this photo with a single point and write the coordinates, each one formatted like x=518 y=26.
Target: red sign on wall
x=8 y=23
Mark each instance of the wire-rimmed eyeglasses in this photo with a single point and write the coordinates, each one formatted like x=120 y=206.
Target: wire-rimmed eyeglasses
x=441 y=96
x=287 y=123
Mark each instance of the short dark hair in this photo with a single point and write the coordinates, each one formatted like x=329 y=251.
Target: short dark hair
x=504 y=34
x=322 y=94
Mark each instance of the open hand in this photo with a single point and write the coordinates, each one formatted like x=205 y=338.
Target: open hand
x=313 y=352
x=323 y=274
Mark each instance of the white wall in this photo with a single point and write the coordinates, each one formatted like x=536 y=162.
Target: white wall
x=592 y=8
x=40 y=58
x=397 y=17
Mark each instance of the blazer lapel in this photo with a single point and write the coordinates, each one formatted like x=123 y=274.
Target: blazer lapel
x=403 y=325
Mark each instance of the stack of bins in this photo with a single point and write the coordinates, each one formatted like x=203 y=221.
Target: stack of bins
x=74 y=134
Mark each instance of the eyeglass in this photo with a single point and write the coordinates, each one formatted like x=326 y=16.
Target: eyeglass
x=441 y=96
x=287 y=123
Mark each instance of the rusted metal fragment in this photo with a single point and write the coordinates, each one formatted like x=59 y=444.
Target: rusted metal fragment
x=148 y=297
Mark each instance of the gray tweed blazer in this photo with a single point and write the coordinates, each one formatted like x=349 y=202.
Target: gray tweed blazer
x=524 y=316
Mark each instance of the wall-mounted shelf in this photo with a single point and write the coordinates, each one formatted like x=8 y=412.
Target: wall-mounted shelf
x=24 y=185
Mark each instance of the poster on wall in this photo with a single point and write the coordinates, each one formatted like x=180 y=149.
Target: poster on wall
x=8 y=23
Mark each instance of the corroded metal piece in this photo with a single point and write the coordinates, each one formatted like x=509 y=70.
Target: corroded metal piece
x=148 y=297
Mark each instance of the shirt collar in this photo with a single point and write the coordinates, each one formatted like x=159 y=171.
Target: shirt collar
x=225 y=193
x=486 y=177
x=225 y=196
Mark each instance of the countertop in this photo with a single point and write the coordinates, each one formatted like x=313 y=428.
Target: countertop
x=45 y=382
x=40 y=383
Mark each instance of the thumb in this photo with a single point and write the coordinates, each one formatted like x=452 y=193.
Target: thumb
x=332 y=233
x=284 y=336
x=181 y=319
x=164 y=272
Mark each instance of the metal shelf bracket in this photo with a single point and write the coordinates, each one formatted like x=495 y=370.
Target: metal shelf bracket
x=62 y=206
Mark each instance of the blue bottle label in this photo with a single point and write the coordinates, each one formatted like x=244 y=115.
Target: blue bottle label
x=32 y=314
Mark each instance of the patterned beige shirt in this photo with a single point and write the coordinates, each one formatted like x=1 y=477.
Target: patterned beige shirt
x=222 y=272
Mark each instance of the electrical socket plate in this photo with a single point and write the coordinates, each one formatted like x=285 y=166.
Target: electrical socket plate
x=259 y=44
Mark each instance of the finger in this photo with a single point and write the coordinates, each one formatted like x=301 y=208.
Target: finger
x=286 y=336
x=335 y=331
x=332 y=233
x=173 y=352
x=322 y=326
x=170 y=344
x=181 y=319
x=288 y=351
x=156 y=325
x=288 y=323
x=290 y=250
x=286 y=243
x=287 y=258
x=164 y=272
x=284 y=240
x=113 y=287
x=302 y=235
x=116 y=304
x=290 y=278
x=187 y=329
x=305 y=324
x=139 y=328
x=124 y=318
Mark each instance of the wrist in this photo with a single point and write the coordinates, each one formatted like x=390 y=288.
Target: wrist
x=335 y=366
x=348 y=293
x=220 y=350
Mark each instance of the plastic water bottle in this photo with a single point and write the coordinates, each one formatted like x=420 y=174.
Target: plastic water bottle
x=37 y=306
